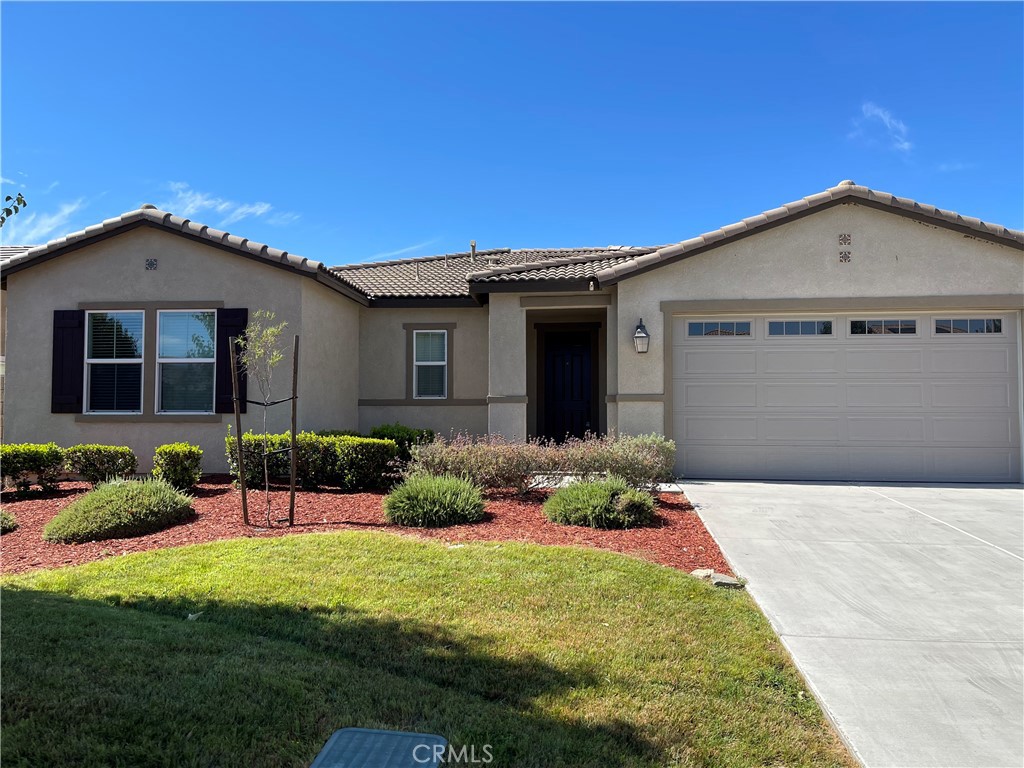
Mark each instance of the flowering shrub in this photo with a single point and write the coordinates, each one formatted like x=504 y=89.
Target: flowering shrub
x=19 y=460
x=494 y=462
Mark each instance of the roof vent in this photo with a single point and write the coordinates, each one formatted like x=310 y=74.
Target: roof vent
x=846 y=183
x=148 y=207
x=472 y=251
x=492 y=259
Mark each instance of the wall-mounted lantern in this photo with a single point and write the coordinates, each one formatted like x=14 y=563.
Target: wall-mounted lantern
x=641 y=338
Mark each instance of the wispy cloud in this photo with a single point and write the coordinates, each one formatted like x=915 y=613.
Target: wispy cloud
x=954 y=166
x=878 y=123
x=34 y=227
x=53 y=186
x=407 y=249
x=5 y=180
x=189 y=202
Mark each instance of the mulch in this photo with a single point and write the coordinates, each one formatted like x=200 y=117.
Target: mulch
x=679 y=540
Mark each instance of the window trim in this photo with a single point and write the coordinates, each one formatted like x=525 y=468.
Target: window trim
x=158 y=361
x=417 y=365
x=717 y=337
x=87 y=361
x=768 y=320
x=973 y=316
x=410 y=354
x=882 y=318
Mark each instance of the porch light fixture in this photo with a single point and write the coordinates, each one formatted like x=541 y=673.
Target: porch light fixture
x=641 y=338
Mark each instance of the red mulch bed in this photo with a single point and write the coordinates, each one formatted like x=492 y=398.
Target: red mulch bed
x=680 y=540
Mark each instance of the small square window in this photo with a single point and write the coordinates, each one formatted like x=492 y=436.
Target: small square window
x=858 y=327
x=908 y=326
x=695 y=329
x=742 y=329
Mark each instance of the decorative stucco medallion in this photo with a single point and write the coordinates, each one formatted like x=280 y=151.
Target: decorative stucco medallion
x=150 y=264
x=845 y=257
x=846 y=239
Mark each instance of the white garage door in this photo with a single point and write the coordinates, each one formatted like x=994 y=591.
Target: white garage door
x=880 y=396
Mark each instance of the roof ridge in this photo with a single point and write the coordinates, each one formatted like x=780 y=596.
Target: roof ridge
x=528 y=266
x=844 y=189
x=419 y=259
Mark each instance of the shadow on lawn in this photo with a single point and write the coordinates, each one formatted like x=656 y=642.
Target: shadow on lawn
x=89 y=682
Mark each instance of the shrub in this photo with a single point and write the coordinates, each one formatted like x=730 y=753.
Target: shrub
x=610 y=503
x=19 y=460
x=642 y=461
x=339 y=433
x=349 y=463
x=180 y=464
x=493 y=462
x=97 y=463
x=427 y=501
x=7 y=522
x=489 y=462
x=405 y=437
x=118 y=509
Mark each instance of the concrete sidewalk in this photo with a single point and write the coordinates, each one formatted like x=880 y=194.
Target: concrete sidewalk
x=903 y=606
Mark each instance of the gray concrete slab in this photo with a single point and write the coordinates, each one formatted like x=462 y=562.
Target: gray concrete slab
x=903 y=607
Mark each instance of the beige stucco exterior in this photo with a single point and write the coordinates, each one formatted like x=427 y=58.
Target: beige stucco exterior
x=113 y=271
x=383 y=377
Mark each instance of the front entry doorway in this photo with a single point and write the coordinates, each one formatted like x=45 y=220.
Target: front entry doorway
x=569 y=406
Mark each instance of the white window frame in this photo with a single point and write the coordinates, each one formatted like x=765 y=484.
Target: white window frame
x=717 y=337
x=161 y=360
x=973 y=316
x=800 y=319
x=140 y=361
x=416 y=366
x=882 y=318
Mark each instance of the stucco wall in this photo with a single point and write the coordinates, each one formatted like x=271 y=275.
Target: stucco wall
x=383 y=370
x=892 y=256
x=113 y=270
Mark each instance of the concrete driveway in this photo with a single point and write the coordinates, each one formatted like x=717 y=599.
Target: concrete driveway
x=903 y=606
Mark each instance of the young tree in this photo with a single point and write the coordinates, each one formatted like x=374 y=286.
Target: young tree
x=260 y=353
x=11 y=206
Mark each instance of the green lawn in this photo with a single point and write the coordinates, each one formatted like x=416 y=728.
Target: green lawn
x=553 y=656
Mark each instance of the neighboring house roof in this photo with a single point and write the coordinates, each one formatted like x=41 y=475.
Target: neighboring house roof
x=461 y=278
x=150 y=215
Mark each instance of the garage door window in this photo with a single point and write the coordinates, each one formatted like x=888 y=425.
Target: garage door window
x=718 y=328
x=883 y=327
x=969 y=325
x=799 y=327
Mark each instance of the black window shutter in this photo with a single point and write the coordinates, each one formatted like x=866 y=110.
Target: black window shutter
x=230 y=323
x=68 y=369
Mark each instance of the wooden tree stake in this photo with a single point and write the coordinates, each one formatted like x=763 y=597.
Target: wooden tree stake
x=294 y=451
x=238 y=432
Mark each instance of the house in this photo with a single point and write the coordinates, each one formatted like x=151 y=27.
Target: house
x=850 y=335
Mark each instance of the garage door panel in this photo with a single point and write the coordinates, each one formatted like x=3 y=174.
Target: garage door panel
x=717 y=394
x=885 y=394
x=972 y=394
x=928 y=406
x=886 y=429
x=801 y=394
x=802 y=428
x=974 y=429
x=806 y=360
x=896 y=360
x=698 y=362
x=886 y=463
x=974 y=361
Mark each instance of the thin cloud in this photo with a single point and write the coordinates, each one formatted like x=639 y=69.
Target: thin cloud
x=5 y=180
x=53 y=186
x=955 y=166
x=34 y=227
x=407 y=249
x=878 y=123
x=189 y=202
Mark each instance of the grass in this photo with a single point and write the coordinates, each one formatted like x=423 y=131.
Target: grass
x=553 y=656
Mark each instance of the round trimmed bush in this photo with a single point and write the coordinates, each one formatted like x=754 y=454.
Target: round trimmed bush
x=610 y=503
x=430 y=501
x=180 y=464
x=119 y=509
x=7 y=522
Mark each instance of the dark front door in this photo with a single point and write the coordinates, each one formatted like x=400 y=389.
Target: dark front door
x=569 y=385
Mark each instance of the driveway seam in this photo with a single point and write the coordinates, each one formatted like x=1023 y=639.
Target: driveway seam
x=937 y=520
x=865 y=638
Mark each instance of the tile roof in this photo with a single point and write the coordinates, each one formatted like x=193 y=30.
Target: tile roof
x=448 y=275
x=150 y=214
x=8 y=252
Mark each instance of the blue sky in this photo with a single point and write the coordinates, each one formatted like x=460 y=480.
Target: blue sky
x=350 y=132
